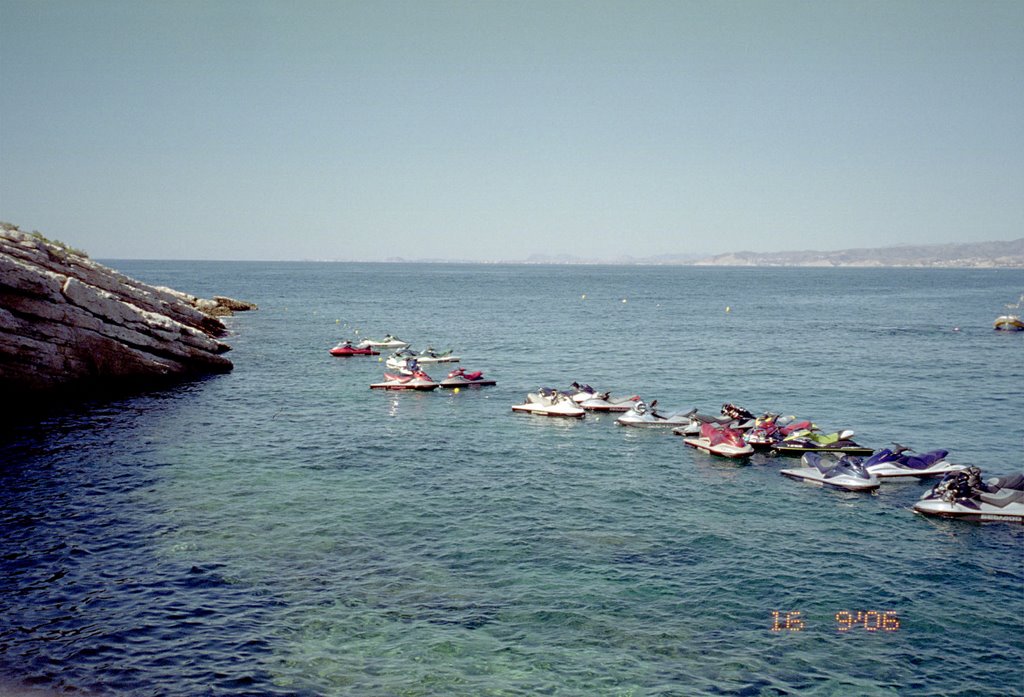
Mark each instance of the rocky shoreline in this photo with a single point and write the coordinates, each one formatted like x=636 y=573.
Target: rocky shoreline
x=69 y=325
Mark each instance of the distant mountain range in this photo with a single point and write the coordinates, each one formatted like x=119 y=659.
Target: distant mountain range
x=977 y=254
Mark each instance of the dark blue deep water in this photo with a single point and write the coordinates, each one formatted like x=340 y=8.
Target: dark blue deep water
x=284 y=530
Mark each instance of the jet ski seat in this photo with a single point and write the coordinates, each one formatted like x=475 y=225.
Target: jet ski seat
x=1002 y=498
x=1013 y=481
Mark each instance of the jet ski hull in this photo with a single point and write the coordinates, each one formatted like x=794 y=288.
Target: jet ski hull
x=417 y=381
x=762 y=445
x=893 y=471
x=796 y=451
x=438 y=359
x=606 y=406
x=352 y=351
x=641 y=423
x=556 y=410
x=813 y=475
x=450 y=383
x=391 y=344
x=410 y=385
x=720 y=449
x=646 y=418
x=982 y=513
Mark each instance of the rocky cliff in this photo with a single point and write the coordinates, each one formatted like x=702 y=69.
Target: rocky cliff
x=69 y=324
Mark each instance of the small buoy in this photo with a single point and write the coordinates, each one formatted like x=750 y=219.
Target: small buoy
x=728 y=309
x=623 y=300
x=337 y=321
x=956 y=329
x=379 y=359
x=456 y=390
x=583 y=297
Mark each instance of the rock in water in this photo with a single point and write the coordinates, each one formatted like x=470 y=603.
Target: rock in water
x=68 y=324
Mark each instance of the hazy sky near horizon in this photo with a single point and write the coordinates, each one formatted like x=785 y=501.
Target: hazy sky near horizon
x=205 y=129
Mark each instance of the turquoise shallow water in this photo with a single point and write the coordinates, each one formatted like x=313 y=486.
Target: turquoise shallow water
x=285 y=530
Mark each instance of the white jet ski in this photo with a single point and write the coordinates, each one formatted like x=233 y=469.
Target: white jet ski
x=846 y=472
x=581 y=393
x=399 y=360
x=900 y=462
x=550 y=402
x=605 y=402
x=643 y=416
x=389 y=341
x=429 y=355
x=962 y=494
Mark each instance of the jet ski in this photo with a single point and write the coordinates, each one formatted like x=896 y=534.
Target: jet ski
x=429 y=355
x=605 y=402
x=771 y=428
x=416 y=379
x=696 y=420
x=550 y=402
x=721 y=440
x=807 y=441
x=581 y=393
x=738 y=413
x=962 y=494
x=400 y=359
x=345 y=348
x=389 y=342
x=461 y=378
x=839 y=472
x=645 y=416
x=901 y=462
x=731 y=416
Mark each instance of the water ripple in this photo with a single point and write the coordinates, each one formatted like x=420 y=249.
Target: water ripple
x=285 y=530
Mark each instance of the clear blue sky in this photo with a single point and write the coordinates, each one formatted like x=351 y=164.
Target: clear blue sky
x=300 y=129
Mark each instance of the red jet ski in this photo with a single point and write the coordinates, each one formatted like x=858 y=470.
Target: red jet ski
x=719 y=440
x=417 y=380
x=345 y=348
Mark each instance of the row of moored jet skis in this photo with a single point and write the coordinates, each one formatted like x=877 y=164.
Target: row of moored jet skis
x=405 y=369
x=827 y=459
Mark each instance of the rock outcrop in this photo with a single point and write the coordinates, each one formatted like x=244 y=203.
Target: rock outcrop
x=69 y=324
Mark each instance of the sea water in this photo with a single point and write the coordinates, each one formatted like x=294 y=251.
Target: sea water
x=285 y=530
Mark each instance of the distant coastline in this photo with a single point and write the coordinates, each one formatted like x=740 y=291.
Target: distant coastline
x=1007 y=255
x=974 y=255
x=981 y=255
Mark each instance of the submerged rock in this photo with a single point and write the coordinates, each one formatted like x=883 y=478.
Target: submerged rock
x=68 y=323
